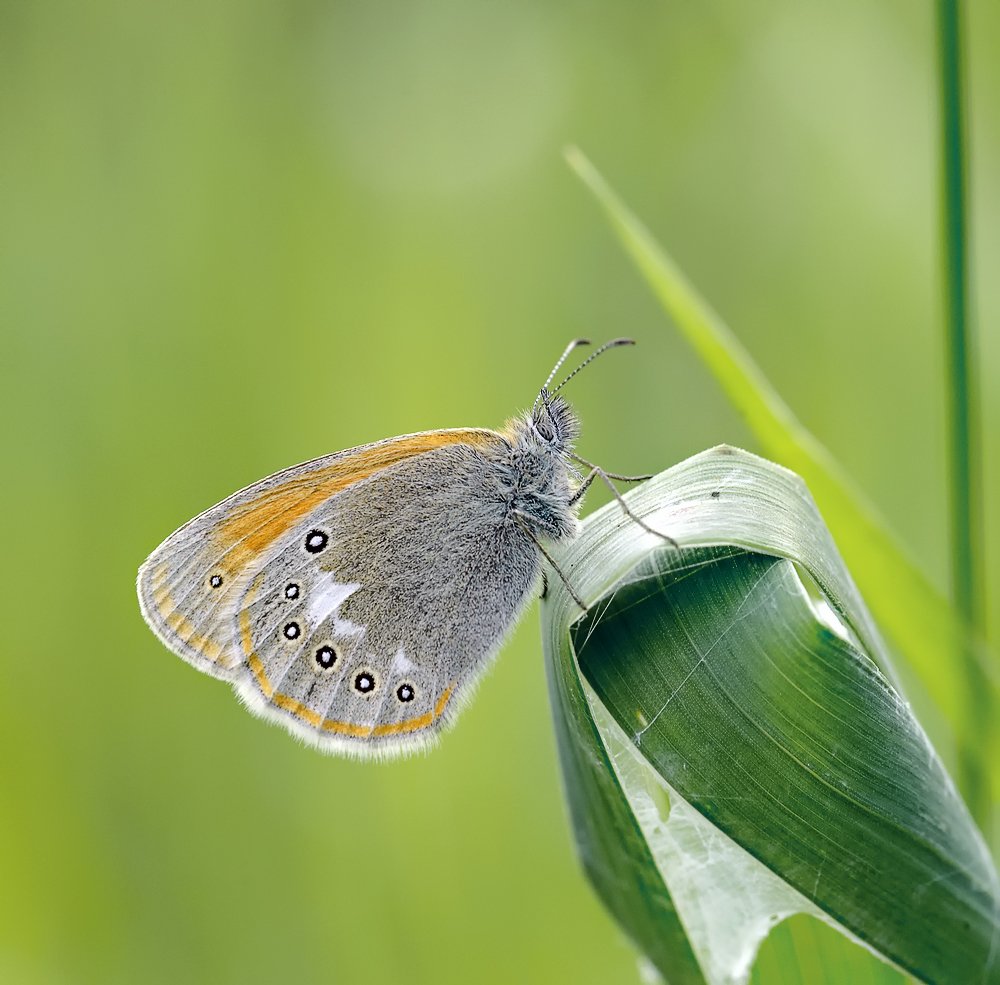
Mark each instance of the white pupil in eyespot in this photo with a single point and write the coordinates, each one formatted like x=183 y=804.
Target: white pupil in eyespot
x=326 y=657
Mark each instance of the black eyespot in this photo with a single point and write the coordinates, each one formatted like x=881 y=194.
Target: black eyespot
x=716 y=494
x=364 y=682
x=215 y=581
x=291 y=631
x=316 y=540
x=292 y=591
x=326 y=656
x=405 y=692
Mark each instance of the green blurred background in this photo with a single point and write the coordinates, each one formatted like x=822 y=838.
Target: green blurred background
x=234 y=236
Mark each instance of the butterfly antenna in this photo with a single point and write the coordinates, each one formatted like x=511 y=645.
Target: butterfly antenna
x=575 y=344
x=614 y=343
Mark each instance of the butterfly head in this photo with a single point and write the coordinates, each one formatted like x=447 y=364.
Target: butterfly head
x=553 y=423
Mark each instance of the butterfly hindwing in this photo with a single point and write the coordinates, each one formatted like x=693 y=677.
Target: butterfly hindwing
x=366 y=630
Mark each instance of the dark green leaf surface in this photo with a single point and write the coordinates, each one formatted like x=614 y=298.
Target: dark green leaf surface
x=743 y=700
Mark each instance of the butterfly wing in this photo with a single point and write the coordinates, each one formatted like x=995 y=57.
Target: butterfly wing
x=355 y=598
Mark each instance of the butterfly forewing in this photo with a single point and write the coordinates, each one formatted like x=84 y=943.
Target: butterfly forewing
x=190 y=585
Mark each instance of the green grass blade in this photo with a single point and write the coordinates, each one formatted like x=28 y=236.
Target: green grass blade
x=742 y=697
x=968 y=568
x=917 y=618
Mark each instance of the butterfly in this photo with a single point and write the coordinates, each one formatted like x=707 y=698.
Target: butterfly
x=358 y=598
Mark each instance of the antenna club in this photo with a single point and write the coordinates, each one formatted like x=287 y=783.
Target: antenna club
x=614 y=343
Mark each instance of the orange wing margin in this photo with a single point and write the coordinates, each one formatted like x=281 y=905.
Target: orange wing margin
x=253 y=525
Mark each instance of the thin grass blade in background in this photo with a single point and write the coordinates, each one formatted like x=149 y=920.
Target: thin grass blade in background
x=966 y=491
x=734 y=705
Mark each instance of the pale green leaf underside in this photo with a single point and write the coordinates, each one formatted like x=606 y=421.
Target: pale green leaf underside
x=733 y=749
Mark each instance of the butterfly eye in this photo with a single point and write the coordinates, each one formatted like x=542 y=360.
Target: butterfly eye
x=544 y=431
x=326 y=657
x=292 y=631
x=405 y=693
x=365 y=682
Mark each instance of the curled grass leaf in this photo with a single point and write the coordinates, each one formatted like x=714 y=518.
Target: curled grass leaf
x=734 y=748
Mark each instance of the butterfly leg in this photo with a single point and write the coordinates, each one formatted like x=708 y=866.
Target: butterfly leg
x=555 y=567
x=584 y=486
x=607 y=477
x=596 y=471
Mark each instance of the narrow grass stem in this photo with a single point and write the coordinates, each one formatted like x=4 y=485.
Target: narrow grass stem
x=965 y=476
